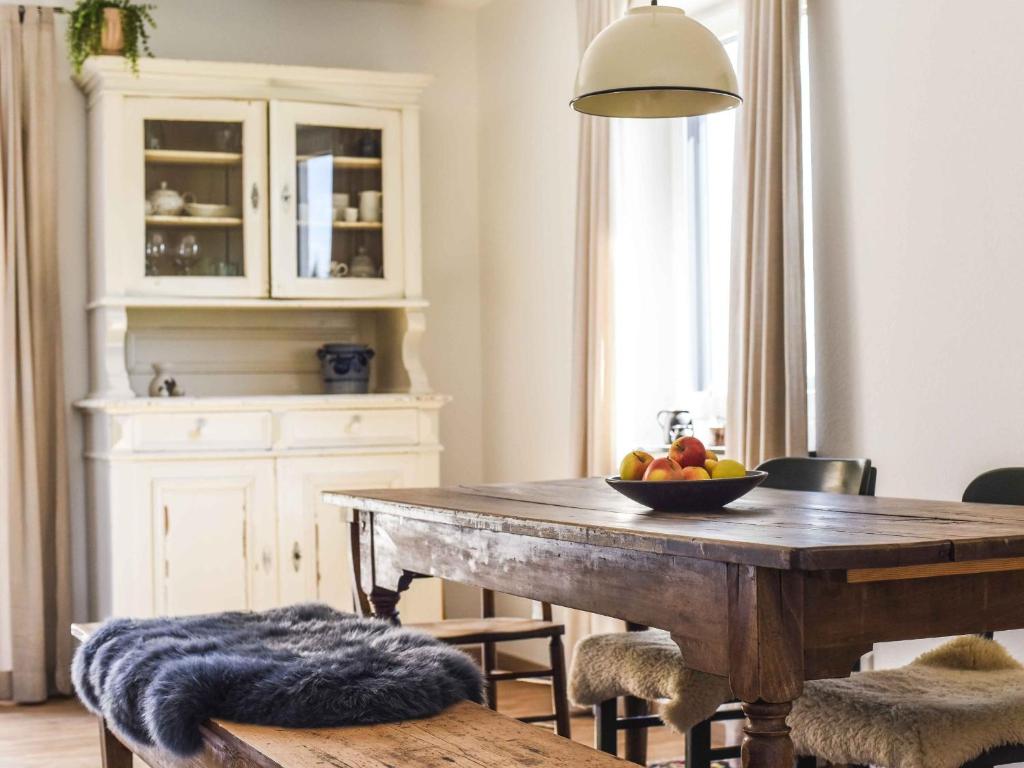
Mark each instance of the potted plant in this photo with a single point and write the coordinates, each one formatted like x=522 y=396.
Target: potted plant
x=109 y=26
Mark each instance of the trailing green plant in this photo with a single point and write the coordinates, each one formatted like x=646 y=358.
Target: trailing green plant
x=85 y=29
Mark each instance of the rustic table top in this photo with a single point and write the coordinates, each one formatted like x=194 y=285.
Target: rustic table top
x=787 y=530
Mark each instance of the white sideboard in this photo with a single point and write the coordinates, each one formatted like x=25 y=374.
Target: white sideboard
x=241 y=216
x=214 y=503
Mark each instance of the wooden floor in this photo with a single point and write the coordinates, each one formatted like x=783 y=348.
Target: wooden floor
x=61 y=734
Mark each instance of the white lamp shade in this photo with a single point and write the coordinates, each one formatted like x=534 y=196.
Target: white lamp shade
x=655 y=62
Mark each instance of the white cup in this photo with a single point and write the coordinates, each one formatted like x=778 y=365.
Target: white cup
x=369 y=205
x=351 y=214
x=340 y=200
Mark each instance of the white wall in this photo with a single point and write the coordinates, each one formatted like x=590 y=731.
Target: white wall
x=365 y=34
x=918 y=230
x=527 y=59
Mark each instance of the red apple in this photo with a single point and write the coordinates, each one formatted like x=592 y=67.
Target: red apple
x=695 y=473
x=663 y=469
x=688 y=452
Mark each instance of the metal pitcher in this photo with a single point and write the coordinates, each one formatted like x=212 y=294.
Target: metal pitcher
x=675 y=424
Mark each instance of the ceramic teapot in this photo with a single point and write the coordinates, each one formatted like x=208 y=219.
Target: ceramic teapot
x=167 y=202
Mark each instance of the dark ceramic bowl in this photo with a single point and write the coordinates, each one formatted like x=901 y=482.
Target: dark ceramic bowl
x=687 y=495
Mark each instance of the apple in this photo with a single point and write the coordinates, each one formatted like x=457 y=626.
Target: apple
x=688 y=452
x=710 y=465
x=663 y=469
x=634 y=465
x=695 y=473
x=728 y=468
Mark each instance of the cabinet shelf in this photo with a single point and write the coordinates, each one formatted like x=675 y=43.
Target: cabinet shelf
x=192 y=157
x=363 y=225
x=193 y=221
x=344 y=161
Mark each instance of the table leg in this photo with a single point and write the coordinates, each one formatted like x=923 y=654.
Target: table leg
x=767 y=743
x=385 y=601
x=766 y=667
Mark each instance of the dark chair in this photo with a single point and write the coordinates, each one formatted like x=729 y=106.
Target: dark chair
x=849 y=476
x=997 y=486
x=487 y=632
x=855 y=477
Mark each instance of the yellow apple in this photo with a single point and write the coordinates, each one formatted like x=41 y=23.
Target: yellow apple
x=710 y=465
x=634 y=465
x=728 y=468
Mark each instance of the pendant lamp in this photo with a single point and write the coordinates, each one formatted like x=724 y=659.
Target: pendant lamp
x=655 y=62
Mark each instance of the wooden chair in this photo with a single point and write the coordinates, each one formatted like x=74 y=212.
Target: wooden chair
x=997 y=486
x=851 y=476
x=488 y=631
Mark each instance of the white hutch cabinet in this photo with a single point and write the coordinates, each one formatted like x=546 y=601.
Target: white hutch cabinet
x=240 y=217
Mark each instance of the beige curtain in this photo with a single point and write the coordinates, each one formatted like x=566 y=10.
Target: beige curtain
x=35 y=596
x=592 y=323
x=767 y=400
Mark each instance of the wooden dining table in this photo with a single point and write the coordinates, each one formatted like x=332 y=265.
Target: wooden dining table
x=777 y=588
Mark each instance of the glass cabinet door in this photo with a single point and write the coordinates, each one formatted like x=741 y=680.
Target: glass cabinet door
x=336 y=219
x=199 y=169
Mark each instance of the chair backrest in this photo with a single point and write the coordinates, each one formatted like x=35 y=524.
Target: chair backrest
x=997 y=486
x=804 y=473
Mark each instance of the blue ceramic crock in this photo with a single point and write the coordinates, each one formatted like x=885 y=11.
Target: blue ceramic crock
x=346 y=368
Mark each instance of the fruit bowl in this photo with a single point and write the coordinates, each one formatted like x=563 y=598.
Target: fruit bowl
x=687 y=495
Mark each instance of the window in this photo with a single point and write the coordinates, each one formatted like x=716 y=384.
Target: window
x=671 y=225
x=671 y=218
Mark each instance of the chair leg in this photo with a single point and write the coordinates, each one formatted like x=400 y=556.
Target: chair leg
x=698 y=746
x=489 y=656
x=605 y=732
x=807 y=762
x=636 y=738
x=559 y=694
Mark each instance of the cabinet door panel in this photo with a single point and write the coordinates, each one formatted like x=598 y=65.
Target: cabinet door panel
x=215 y=529
x=195 y=197
x=319 y=531
x=336 y=216
x=206 y=560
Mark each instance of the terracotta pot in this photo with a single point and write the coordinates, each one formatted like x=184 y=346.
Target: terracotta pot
x=112 y=35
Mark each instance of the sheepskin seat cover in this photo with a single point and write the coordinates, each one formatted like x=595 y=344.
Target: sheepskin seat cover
x=647 y=665
x=940 y=711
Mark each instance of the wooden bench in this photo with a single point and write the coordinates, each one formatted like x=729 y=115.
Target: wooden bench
x=465 y=735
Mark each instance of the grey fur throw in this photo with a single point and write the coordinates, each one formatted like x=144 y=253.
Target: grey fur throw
x=156 y=680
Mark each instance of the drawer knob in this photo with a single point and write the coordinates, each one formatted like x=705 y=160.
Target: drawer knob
x=355 y=425
x=296 y=556
x=197 y=431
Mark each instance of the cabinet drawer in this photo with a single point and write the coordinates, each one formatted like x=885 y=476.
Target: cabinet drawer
x=202 y=431
x=327 y=429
